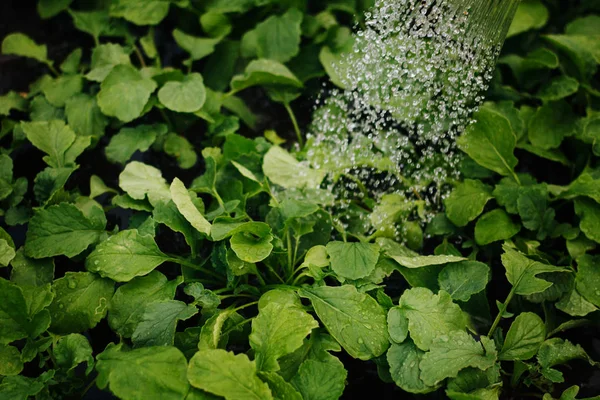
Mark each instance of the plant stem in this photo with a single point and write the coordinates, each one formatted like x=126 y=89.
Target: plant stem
x=245 y=306
x=289 y=251
x=167 y=119
x=139 y=55
x=237 y=326
x=88 y=387
x=52 y=69
x=501 y=312
x=295 y=123
x=302 y=275
x=188 y=264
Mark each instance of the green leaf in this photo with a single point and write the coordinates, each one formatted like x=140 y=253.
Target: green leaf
x=454 y=352
x=467 y=201
x=129 y=140
x=464 y=279
x=141 y=12
x=7 y=253
x=278 y=330
x=143 y=373
x=30 y=272
x=522 y=272
x=197 y=47
x=251 y=248
x=127 y=306
x=430 y=315
x=10 y=361
x=84 y=116
x=491 y=142
x=179 y=147
x=61 y=230
x=50 y=8
x=524 y=337
x=551 y=124
x=410 y=259
x=158 y=323
x=169 y=215
x=532 y=206
x=589 y=216
x=186 y=96
x=575 y=304
x=52 y=137
x=182 y=199
x=22 y=388
x=61 y=89
x=494 y=226
x=586 y=184
x=125 y=255
x=81 y=302
x=284 y=170
x=278 y=37
x=320 y=380
x=279 y=387
x=404 y=360
x=588 y=278
x=531 y=14
x=124 y=93
x=353 y=260
x=140 y=180
x=354 y=319
x=579 y=49
x=104 y=58
x=558 y=88
x=225 y=374
x=557 y=351
x=12 y=101
x=265 y=73
x=73 y=350
x=22 y=45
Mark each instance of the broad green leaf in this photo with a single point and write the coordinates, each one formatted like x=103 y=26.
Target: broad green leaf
x=463 y=279
x=124 y=93
x=588 y=278
x=354 y=319
x=413 y=260
x=589 y=216
x=353 y=260
x=430 y=315
x=186 y=96
x=551 y=124
x=279 y=387
x=95 y=23
x=587 y=184
x=524 y=337
x=225 y=374
x=22 y=388
x=50 y=8
x=10 y=361
x=182 y=199
x=490 y=142
x=158 y=372
x=104 y=58
x=7 y=253
x=72 y=63
x=575 y=304
x=29 y=272
x=454 y=352
x=73 y=350
x=251 y=248
x=141 y=12
x=276 y=331
x=14 y=316
x=320 y=380
x=212 y=335
x=22 y=45
x=557 y=351
x=84 y=116
x=284 y=170
x=580 y=50
x=197 y=47
x=158 y=323
x=179 y=147
x=532 y=207
x=404 y=360
x=169 y=215
x=129 y=140
x=494 y=226
x=466 y=202
x=61 y=230
x=265 y=73
x=558 y=88
x=129 y=302
x=140 y=180
x=531 y=14
x=41 y=110
x=12 y=101
x=52 y=137
x=81 y=302
x=522 y=272
x=125 y=255
x=278 y=37
x=61 y=89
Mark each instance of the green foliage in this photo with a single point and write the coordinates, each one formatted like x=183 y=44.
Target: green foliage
x=173 y=213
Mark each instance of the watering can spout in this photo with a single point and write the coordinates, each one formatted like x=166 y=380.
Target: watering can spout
x=488 y=19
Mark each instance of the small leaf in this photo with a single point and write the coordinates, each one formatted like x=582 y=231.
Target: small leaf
x=104 y=58
x=125 y=255
x=73 y=350
x=265 y=73
x=158 y=323
x=467 y=201
x=158 y=372
x=524 y=337
x=464 y=279
x=494 y=226
x=186 y=207
x=22 y=45
x=197 y=47
x=551 y=124
x=140 y=180
x=129 y=140
x=278 y=37
x=141 y=12
x=50 y=8
x=84 y=116
x=588 y=278
x=558 y=88
x=187 y=96
x=404 y=360
x=531 y=14
x=228 y=375
x=454 y=352
x=321 y=380
x=353 y=260
x=589 y=215
x=10 y=361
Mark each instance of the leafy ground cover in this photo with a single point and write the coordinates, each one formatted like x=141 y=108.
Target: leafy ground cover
x=163 y=237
